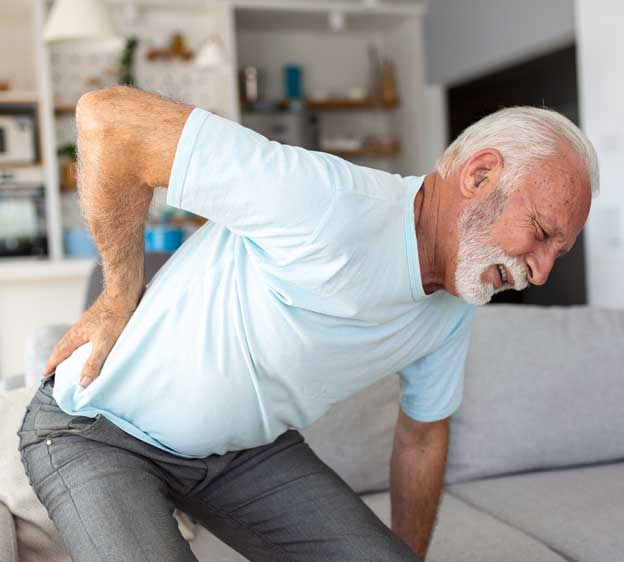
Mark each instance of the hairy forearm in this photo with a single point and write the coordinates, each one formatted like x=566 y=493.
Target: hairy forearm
x=115 y=204
x=127 y=140
x=416 y=481
x=121 y=157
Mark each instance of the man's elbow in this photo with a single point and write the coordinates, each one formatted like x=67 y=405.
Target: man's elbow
x=411 y=434
x=101 y=110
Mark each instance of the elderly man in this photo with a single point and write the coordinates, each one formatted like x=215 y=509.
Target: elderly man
x=313 y=278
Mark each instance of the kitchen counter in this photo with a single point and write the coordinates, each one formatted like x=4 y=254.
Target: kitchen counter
x=36 y=293
x=14 y=269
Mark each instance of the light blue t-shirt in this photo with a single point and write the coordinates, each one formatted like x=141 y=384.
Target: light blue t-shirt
x=302 y=289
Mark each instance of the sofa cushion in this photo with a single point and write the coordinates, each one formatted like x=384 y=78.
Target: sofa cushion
x=38 y=348
x=577 y=512
x=355 y=436
x=543 y=389
x=37 y=538
x=467 y=534
x=8 y=539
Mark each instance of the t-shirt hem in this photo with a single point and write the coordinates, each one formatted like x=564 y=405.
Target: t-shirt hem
x=431 y=417
x=125 y=426
x=183 y=155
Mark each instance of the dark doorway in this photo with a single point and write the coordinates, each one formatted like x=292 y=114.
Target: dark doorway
x=545 y=81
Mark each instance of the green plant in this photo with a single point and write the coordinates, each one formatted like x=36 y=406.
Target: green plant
x=68 y=150
x=126 y=62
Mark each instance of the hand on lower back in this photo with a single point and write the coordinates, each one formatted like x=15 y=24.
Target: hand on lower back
x=101 y=324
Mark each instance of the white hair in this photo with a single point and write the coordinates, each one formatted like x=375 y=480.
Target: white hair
x=524 y=136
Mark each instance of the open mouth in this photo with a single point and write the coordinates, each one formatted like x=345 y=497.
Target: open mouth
x=503 y=273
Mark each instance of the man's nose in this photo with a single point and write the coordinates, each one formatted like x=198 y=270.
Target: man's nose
x=540 y=265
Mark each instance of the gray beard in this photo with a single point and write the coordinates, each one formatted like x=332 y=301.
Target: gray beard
x=477 y=252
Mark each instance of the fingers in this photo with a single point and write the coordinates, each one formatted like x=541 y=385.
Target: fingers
x=62 y=350
x=92 y=367
x=101 y=325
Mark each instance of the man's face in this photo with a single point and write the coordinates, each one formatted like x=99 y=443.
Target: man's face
x=507 y=241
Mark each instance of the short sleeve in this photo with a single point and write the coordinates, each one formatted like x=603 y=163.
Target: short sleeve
x=275 y=194
x=432 y=387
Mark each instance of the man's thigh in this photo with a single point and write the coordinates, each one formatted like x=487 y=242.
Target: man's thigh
x=107 y=503
x=281 y=503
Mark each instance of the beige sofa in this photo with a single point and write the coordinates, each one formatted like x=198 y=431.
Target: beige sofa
x=536 y=461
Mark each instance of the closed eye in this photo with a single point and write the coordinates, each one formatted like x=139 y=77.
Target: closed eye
x=542 y=235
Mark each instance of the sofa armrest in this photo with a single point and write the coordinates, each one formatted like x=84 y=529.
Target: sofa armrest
x=38 y=348
x=8 y=538
x=11 y=383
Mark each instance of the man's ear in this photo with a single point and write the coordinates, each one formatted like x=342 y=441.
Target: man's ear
x=481 y=173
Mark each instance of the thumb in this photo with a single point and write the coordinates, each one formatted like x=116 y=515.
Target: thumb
x=62 y=350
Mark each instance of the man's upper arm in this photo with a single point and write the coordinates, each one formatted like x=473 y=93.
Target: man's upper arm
x=432 y=386
x=258 y=188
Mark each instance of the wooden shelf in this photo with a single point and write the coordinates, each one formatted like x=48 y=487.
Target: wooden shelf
x=372 y=151
x=330 y=104
x=169 y=54
x=18 y=97
x=337 y=104
x=64 y=109
x=8 y=166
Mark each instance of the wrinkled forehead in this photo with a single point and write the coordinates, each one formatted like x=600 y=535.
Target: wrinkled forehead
x=562 y=193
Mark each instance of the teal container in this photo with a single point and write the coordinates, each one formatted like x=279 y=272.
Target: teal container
x=163 y=238
x=293 y=81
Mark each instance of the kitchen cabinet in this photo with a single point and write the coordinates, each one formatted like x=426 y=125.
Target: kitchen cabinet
x=270 y=35
x=263 y=33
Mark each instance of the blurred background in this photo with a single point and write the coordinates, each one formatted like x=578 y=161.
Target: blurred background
x=383 y=83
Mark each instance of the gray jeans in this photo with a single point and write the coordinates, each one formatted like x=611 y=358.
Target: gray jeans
x=111 y=496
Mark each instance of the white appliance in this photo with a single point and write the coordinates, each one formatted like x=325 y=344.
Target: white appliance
x=297 y=128
x=23 y=229
x=17 y=139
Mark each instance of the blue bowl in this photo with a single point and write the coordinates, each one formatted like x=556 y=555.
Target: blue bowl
x=79 y=244
x=163 y=238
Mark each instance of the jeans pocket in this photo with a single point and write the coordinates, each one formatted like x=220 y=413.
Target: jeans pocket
x=43 y=425
x=50 y=420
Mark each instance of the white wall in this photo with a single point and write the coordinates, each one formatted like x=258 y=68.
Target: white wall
x=405 y=47
x=600 y=48
x=468 y=37
x=344 y=56
x=32 y=296
x=17 y=58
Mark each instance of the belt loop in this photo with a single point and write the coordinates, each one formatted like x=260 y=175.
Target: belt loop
x=49 y=378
